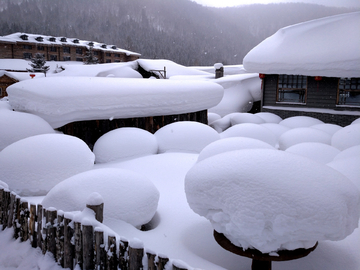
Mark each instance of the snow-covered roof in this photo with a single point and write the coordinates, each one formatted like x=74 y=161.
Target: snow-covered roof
x=61 y=100
x=51 y=40
x=328 y=47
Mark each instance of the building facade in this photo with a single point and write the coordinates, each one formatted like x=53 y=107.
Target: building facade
x=24 y=46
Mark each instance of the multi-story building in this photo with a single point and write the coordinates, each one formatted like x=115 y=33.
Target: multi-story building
x=24 y=46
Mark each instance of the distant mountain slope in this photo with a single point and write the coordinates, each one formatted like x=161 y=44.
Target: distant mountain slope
x=179 y=30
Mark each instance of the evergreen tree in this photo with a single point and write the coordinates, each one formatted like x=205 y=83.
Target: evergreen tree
x=89 y=58
x=38 y=64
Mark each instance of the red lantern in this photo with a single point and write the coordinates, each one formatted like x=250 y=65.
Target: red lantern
x=32 y=75
x=261 y=75
x=318 y=78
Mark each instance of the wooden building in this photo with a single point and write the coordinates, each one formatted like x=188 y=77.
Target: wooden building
x=311 y=69
x=24 y=46
x=5 y=82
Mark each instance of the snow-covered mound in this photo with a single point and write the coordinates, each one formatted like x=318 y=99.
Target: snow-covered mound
x=127 y=195
x=250 y=130
x=348 y=167
x=277 y=129
x=15 y=126
x=61 y=100
x=4 y=185
x=124 y=143
x=346 y=137
x=185 y=136
x=348 y=153
x=250 y=197
x=213 y=117
x=269 y=117
x=328 y=128
x=231 y=144
x=301 y=135
x=316 y=151
x=357 y=121
x=300 y=121
x=240 y=91
x=323 y=47
x=34 y=165
x=242 y=118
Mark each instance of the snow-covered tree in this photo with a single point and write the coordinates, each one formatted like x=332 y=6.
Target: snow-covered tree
x=89 y=58
x=38 y=64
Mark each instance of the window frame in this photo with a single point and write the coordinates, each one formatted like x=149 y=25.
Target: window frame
x=53 y=49
x=346 y=86
x=79 y=50
x=27 y=55
x=293 y=84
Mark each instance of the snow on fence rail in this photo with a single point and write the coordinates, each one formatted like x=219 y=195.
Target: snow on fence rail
x=75 y=244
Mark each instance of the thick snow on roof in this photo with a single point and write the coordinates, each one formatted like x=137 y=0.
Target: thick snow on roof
x=36 y=38
x=61 y=100
x=323 y=47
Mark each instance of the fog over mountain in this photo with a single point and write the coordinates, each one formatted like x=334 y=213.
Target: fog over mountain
x=178 y=30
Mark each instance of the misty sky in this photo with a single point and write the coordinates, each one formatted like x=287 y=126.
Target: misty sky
x=224 y=3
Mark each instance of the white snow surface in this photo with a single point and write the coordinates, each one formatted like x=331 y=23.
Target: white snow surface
x=348 y=167
x=61 y=100
x=346 y=137
x=124 y=143
x=15 y=126
x=250 y=196
x=349 y=152
x=323 y=47
x=313 y=150
x=185 y=136
x=34 y=165
x=300 y=121
x=328 y=128
x=128 y=196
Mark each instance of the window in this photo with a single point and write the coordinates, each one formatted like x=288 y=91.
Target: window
x=53 y=49
x=79 y=59
x=39 y=39
x=79 y=51
x=108 y=54
x=117 y=54
x=66 y=49
x=292 y=89
x=63 y=39
x=108 y=60
x=66 y=58
x=95 y=52
x=0 y=92
x=28 y=47
x=24 y=37
x=52 y=39
x=76 y=41
x=40 y=48
x=27 y=55
x=349 y=91
x=53 y=58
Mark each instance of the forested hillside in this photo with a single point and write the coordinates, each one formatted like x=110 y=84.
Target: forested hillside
x=179 y=30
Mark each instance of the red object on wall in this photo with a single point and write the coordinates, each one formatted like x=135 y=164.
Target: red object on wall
x=261 y=76
x=318 y=78
x=32 y=76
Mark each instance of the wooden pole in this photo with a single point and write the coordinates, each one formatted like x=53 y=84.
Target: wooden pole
x=123 y=253
x=1 y=205
x=88 y=246
x=100 y=254
x=135 y=258
x=39 y=238
x=162 y=261
x=24 y=215
x=60 y=240
x=99 y=211
x=5 y=208
x=78 y=244
x=112 y=257
x=11 y=210
x=68 y=246
x=32 y=222
x=16 y=217
x=51 y=215
x=151 y=261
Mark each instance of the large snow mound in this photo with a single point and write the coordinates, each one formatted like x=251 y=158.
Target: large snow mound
x=124 y=143
x=300 y=121
x=323 y=47
x=34 y=165
x=61 y=100
x=328 y=128
x=185 y=136
x=250 y=197
x=301 y=135
x=251 y=130
x=15 y=126
x=346 y=137
x=316 y=151
x=269 y=117
x=348 y=153
x=348 y=167
x=127 y=195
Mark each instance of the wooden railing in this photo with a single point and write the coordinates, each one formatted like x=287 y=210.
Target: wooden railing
x=75 y=244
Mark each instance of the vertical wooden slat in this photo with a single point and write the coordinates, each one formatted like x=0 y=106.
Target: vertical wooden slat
x=135 y=258
x=24 y=215
x=16 y=217
x=162 y=261
x=60 y=240
x=51 y=216
x=88 y=246
x=11 y=210
x=68 y=246
x=123 y=254
x=78 y=244
x=6 y=206
x=1 y=205
x=39 y=239
x=100 y=254
x=151 y=261
x=112 y=256
x=32 y=221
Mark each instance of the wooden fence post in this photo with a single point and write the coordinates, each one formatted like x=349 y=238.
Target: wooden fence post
x=123 y=254
x=136 y=254
x=98 y=209
x=78 y=244
x=88 y=246
x=32 y=221
x=51 y=215
x=6 y=206
x=16 y=217
x=112 y=256
x=162 y=261
x=11 y=210
x=68 y=246
x=151 y=260
x=60 y=239
x=179 y=265
x=39 y=238
x=1 y=205
x=24 y=215
x=100 y=254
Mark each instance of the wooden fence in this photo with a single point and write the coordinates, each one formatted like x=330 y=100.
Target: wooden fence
x=73 y=243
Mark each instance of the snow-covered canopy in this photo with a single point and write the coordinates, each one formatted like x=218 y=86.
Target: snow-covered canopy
x=323 y=47
x=61 y=100
x=272 y=200
x=51 y=40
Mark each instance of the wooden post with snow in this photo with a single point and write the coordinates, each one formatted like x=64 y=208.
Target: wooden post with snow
x=88 y=245
x=24 y=224
x=151 y=260
x=32 y=221
x=162 y=261
x=1 y=205
x=219 y=70
x=50 y=228
x=96 y=203
x=136 y=253
x=39 y=239
x=112 y=257
x=68 y=246
x=78 y=244
x=123 y=252
x=99 y=250
x=11 y=210
x=60 y=239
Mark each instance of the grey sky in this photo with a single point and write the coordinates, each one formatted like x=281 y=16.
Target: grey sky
x=223 y=3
